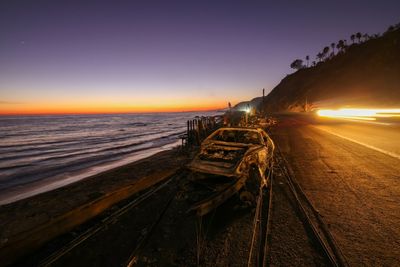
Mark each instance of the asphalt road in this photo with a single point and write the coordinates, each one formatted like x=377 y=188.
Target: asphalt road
x=351 y=173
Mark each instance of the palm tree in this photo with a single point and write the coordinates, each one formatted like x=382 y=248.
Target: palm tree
x=345 y=46
x=366 y=37
x=333 y=48
x=325 y=51
x=358 y=35
x=308 y=59
x=352 y=37
x=341 y=45
x=314 y=63
x=320 y=56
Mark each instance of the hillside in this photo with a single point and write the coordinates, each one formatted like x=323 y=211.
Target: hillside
x=365 y=74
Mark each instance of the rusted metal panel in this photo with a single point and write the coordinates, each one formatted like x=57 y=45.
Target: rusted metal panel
x=203 y=207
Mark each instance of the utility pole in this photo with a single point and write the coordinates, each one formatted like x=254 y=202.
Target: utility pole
x=306 y=105
x=263 y=102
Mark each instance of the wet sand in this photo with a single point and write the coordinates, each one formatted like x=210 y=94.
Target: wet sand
x=29 y=223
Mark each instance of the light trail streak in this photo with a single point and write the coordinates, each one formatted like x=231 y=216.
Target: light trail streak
x=359 y=114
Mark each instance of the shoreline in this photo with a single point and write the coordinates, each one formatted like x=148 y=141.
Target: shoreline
x=17 y=193
x=29 y=223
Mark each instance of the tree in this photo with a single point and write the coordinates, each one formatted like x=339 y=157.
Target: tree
x=308 y=59
x=333 y=48
x=353 y=37
x=320 y=56
x=325 y=51
x=340 y=45
x=314 y=63
x=297 y=64
x=344 y=46
x=358 y=35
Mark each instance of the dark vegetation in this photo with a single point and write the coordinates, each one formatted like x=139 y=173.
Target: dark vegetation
x=362 y=72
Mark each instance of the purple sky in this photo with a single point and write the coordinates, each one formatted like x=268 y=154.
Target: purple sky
x=134 y=51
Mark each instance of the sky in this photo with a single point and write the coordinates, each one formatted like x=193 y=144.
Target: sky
x=155 y=56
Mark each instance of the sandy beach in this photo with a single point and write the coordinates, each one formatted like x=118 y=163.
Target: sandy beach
x=29 y=223
x=14 y=194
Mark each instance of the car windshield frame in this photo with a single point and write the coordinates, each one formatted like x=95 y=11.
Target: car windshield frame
x=239 y=136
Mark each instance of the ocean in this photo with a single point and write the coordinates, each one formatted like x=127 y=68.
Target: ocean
x=41 y=153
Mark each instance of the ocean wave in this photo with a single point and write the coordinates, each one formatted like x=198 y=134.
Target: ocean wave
x=41 y=148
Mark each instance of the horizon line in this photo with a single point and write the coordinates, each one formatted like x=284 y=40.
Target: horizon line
x=106 y=113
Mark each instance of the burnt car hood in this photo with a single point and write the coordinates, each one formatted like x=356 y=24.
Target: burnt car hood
x=219 y=158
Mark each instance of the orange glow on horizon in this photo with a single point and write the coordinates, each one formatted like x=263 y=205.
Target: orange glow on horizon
x=99 y=108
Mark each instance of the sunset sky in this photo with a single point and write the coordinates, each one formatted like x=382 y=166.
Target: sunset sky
x=143 y=56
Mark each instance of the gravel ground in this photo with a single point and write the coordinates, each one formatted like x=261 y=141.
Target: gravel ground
x=224 y=237
x=290 y=244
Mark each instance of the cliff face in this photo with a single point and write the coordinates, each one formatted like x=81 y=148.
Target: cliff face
x=366 y=75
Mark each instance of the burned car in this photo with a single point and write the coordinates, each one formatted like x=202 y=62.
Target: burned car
x=231 y=161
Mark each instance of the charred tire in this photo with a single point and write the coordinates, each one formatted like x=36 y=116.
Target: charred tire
x=247 y=198
x=251 y=189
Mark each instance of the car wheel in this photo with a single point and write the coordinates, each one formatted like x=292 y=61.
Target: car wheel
x=253 y=183
x=251 y=189
x=247 y=198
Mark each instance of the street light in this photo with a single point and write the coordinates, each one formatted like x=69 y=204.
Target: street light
x=247 y=112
